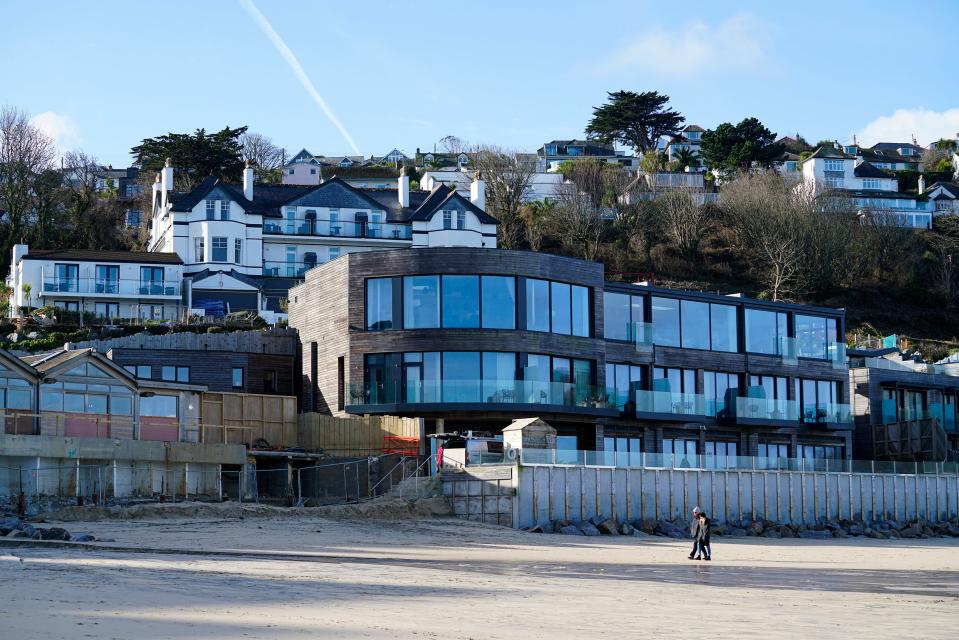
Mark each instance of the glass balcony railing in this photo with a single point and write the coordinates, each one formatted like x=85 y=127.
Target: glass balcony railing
x=786 y=348
x=110 y=287
x=766 y=409
x=641 y=335
x=286 y=269
x=829 y=412
x=337 y=228
x=836 y=354
x=475 y=391
x=679 y=404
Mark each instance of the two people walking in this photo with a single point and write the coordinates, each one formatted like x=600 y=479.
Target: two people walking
x=699 y=529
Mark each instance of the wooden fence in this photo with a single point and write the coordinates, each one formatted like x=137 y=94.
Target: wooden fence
x=246 y=417
x=359 y=436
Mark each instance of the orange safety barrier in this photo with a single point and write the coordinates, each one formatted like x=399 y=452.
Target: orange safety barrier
x=403 y=445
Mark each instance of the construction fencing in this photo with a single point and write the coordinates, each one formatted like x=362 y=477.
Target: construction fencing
x=558 y=492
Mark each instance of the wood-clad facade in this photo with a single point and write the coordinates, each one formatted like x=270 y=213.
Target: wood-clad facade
x=339 y=343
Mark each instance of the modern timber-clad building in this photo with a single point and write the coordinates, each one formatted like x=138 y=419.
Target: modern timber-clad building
x=471 y=338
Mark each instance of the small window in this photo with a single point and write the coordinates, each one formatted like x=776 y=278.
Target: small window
x=199 y=254
x=224 y=209
x=312 y=172
x=238 y=251
x=290 y=172
x=175 y=374
x=211 y=209
x=237 y=377
x=447 y=219
x=269 y=381
x=460 y=220
x=218 y=252
x=334 y=253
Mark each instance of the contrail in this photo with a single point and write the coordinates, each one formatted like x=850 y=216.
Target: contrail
x=297 y=69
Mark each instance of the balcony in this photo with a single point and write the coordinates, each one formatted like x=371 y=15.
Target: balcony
x=765 y=410
x=279 y=269
x=669 y=405
x=68 y=287
x=943 y=413
x=337 y=229
x=827 y=413
x=516 y=395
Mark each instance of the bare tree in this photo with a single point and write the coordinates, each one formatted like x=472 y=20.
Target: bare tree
x=578 y=222
x=508 y=179
x=943 y=258
x=265 y=157
x=95 y=216
x=684 y=221
x=452 y=144
x=25 y=154
x=536 y=217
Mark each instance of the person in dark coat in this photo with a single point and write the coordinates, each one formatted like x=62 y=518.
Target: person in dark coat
x=702 y=537
x=693 y=528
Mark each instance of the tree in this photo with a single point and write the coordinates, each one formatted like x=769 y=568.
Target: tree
x=26 y=153
x=94 y=217
x=265 y=157
x=452 y=144
x=729 y=148
x=945 y=144
x=653 y=162
x=637 y=120
x=507 y=179
x=196 y=156
x=683 y=221
x=536 y=216
x=686 y=157
x=578 y=222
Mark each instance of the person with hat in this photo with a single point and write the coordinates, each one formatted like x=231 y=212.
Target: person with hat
x=693 y=530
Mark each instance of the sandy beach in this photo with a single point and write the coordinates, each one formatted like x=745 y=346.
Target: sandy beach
x=445 y=578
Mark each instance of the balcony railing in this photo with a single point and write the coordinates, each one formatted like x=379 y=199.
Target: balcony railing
x=766 y=409
x=678 y=404
x=942 y=412
x=337 y=228
x=826 y=412
x=565 y=394
x=53 y=286
x=286 y=269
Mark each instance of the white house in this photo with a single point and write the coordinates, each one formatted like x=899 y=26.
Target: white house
x=943 y=197
x=542 y=186
x=872 y=190
x=689 y=138
x=242 y=246
x=108 y=284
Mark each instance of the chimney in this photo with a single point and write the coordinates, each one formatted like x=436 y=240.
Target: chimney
x=478 y=191
x=922 y=183
x=19 y=250
x=403 y=188
x=166 y=182
x=248 y=181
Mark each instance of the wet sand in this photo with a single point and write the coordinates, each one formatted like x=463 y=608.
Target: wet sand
x=445 y=578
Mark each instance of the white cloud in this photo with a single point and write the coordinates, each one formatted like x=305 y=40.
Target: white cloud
x=59 y=128
x=928 y=126
x=736 y=44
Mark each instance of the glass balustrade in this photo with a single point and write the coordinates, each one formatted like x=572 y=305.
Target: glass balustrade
x=679 y=404
x=766 y=409
x=565 y=394
x=828 y=412
x=120 y=287
x=337 y=228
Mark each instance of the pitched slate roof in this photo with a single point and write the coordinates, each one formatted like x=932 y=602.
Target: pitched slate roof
x=895 y=146
x=869 y=170
x=949 y=187
x=829 y=152
x=692 y=127
x=885 y=155
x=443 y=194
x=84 y=255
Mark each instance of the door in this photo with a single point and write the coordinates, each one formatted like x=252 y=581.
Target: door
x=67 y=276
x=108 y=279
x=151 y=280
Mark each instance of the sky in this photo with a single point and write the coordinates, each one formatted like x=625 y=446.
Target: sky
x=347 y=77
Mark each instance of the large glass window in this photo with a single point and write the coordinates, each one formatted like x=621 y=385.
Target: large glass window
x=461 y=302
x=560 y=308
x=537 y=374
x=622 y=382
x=666 y=321
x=537 y=305
x=695 y=324
x=722 y=327
x=720 y=389
x=218 y=249
x=421 y=307
x=674 y=380
x=499 y=377
x=616 y=316
x=764 y=331
x=580 y=302
x=379 y=304
x=159 y=406
x=811 y=336
x=461 y=376
x=499 y=302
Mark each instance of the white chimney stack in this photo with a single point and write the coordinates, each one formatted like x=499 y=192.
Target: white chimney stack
x=478 y=191
x=922 y=183
x=403 y=188
x=166 y=182
x=248 y=181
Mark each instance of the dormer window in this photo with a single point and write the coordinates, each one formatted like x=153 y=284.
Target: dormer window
x=211 y=209
x=693 y=135
x=447 y=219
x=851 y=150
x=905 y=151
x=224 y=209
x=461 y=220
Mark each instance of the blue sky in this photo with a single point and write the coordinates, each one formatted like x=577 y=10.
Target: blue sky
x=102 y=76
